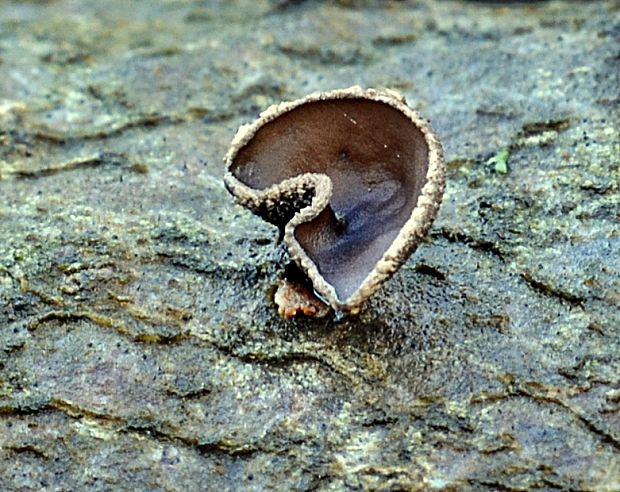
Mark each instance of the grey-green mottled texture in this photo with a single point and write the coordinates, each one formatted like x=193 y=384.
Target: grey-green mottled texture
x=140 y=347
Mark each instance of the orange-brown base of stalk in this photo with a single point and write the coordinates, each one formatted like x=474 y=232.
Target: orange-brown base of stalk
x=294 y=300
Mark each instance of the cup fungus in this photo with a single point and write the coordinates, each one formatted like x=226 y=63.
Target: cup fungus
x=352 y=178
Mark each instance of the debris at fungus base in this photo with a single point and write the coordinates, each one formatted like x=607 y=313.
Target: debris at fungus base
x=353 y=178
x=294 y=299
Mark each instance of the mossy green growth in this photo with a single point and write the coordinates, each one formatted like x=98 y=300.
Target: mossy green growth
x=500 y=161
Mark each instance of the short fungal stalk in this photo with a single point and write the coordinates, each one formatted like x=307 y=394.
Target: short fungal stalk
x=354 y=178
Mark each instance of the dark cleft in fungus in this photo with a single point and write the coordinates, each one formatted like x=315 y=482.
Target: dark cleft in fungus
x=352 y=178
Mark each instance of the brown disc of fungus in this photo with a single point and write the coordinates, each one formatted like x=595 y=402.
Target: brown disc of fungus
x=352 y=178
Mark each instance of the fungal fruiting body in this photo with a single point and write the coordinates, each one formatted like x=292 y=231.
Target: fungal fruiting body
x=353 y=178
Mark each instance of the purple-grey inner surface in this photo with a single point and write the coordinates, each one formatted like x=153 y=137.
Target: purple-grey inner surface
x=377 y=159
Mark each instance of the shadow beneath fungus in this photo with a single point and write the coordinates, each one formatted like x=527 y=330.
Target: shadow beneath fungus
x=404 y=341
